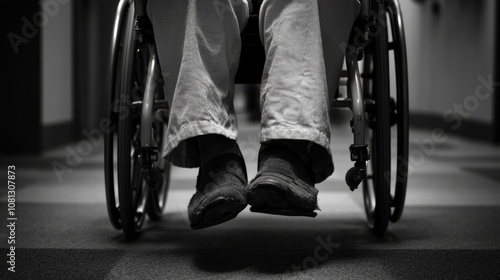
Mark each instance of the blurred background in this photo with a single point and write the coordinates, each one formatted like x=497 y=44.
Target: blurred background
x=55 y=72
x=54 y=59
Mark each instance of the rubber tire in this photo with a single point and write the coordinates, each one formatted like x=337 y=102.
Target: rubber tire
x=109 y=166
x=402 y=110
x=113 y=84
x=378 y=218
x=130 y=182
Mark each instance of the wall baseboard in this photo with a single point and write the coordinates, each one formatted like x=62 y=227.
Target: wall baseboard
x=471 y=129
x=56 y=135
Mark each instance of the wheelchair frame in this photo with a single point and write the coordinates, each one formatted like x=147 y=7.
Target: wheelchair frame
x=143 y=176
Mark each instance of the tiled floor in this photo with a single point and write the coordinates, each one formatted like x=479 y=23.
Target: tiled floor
x=450 y=228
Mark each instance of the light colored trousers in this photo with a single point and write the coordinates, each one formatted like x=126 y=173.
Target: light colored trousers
x=199 y=46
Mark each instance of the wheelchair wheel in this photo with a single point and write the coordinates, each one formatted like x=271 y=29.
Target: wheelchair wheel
x=376 y=188
x=112 y=112
x=158 y=197
x=127 y=77
x=380 y=205
x=133 y=190
x=402 y=109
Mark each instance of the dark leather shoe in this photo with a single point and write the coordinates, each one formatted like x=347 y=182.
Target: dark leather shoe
x=283 y=185
x=220 y=191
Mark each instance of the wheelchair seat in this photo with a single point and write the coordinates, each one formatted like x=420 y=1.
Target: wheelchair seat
x=253 y=57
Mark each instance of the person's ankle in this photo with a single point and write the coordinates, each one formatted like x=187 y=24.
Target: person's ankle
x=296 y=150
x=213 y=145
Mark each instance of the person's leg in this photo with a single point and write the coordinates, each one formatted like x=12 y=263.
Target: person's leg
x=295 y=130
x=198 y=44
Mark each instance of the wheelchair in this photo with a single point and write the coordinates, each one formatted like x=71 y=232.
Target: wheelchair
x=137 y=178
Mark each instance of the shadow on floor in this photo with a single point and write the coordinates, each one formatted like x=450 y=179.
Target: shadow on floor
x=269 y=246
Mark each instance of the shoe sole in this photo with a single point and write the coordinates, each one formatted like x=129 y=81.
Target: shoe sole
x=269 y=199
x=218 y=212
